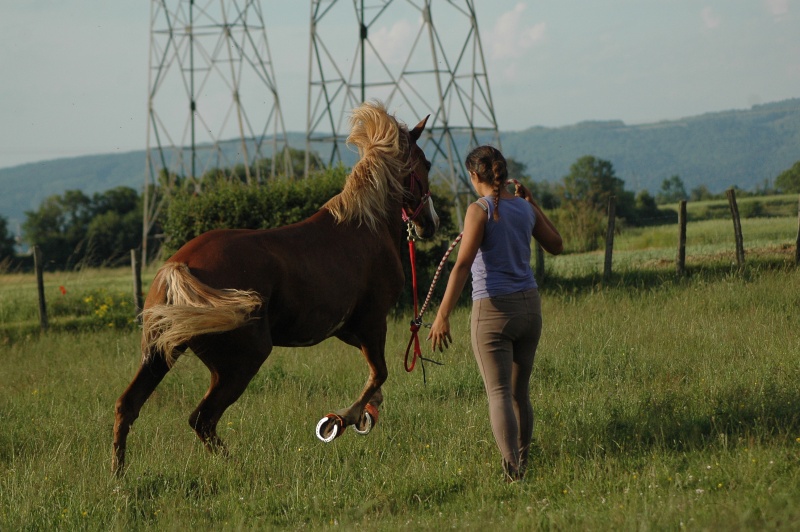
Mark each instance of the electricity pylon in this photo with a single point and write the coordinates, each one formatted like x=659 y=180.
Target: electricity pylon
x=214 y=56
x=398 y=56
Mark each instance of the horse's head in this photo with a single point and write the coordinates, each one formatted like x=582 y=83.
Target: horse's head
x=417 y=202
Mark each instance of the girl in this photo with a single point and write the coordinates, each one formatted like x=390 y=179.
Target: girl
x=506 y=319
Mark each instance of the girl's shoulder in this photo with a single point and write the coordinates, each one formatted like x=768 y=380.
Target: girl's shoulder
x=483 y=203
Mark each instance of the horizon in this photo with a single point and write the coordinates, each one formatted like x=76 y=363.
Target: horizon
x=581 y=122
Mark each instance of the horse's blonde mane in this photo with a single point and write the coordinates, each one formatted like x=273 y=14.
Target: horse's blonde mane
x=374 y=186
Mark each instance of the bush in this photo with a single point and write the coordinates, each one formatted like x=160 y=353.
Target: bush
x=751 y=209
x=232 y=205
x=7 y=242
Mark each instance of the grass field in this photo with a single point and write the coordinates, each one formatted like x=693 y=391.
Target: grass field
x=710 y=244
x=667 y=404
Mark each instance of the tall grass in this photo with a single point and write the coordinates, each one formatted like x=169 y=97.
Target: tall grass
x=667 y=406
x=709 y=244
x=779 y=205
x=83 y=299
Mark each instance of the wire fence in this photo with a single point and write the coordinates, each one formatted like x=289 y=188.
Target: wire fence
x=680 y=260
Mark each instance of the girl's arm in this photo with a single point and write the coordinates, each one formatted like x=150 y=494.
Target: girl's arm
x=474 y=224
x=544 y=231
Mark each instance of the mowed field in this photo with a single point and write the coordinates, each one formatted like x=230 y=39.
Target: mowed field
x=661 y=403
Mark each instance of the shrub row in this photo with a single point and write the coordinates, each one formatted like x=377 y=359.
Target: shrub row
x=235 y=205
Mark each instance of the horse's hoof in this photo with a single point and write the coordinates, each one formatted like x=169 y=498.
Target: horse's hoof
x=118 y=463
x=368 y=420
x=330 y=427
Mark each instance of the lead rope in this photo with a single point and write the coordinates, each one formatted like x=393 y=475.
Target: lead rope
x=416 y=323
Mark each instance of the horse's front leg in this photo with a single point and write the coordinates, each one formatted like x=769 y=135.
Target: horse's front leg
x=363 y=414
x=369 y=416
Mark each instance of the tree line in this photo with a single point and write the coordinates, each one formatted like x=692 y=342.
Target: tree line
x=76 y=229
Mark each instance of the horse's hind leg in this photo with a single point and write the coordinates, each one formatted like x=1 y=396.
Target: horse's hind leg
x=127 y=408
x=230 y=375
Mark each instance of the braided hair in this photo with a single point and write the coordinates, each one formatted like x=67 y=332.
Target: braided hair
x=490 y=166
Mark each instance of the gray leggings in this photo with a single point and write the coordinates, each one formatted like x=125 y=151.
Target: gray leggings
x=505 y=332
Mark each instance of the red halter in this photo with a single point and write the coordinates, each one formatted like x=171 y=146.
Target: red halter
x=415 y=182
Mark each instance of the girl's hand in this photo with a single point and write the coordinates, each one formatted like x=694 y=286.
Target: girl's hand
x=440 y=334
x=521 y=192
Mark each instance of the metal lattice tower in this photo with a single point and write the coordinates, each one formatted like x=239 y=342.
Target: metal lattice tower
x=399 y=57
x=214 y=55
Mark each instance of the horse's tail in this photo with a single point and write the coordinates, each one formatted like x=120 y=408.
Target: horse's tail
x=190 y=308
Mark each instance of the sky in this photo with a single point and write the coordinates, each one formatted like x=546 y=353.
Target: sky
x=74 y=75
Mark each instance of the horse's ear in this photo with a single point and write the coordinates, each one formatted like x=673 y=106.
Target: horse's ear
x=416 y=133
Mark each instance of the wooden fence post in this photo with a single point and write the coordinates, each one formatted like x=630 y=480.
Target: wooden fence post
x=39 y=267
x=797 y=244
x=680 y=263
x=136 y=266
x=737 y=227
x=612 y=208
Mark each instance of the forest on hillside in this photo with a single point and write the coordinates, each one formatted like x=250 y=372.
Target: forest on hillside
x=746 y=149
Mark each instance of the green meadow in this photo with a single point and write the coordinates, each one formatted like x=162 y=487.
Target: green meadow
x=662 y=403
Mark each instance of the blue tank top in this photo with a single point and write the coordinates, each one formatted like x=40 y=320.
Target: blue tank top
x=503 y=263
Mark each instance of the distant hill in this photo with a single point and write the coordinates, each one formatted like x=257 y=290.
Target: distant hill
x=719 y=150
x=741 y=147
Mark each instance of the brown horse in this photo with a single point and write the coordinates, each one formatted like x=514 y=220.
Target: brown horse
x=231 y=295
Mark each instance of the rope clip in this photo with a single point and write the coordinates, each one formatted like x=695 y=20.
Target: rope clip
x=410 y=231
